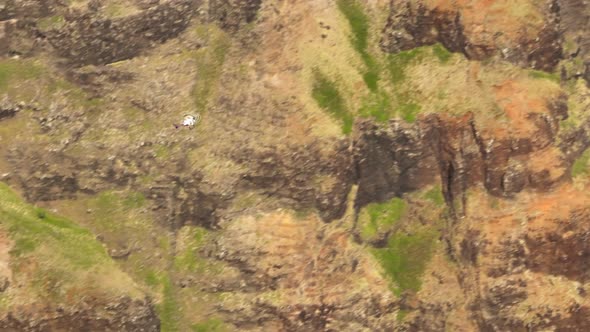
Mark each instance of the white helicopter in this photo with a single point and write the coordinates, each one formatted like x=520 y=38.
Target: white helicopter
x=189 y=121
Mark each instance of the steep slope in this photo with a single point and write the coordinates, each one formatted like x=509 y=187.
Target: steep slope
x=360 y=165
x=56 y=276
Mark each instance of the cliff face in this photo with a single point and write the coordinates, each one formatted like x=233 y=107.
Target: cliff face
x=359 y=165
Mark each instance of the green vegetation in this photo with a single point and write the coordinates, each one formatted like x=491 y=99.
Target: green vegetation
x=54 y=255
x=359 y=24
x=188 y=259
x=211 y=325
x=405 y=257
x=401 y=314
x=580 y=166
x=326 y=94
x=441 y=53
x=435 y=195
x=377 y=106
x=51 y=22
x=14 y=69
x=544 y=75
x=162 y=151
x=111 y=209
x=409 y=111
x=377 y=217
x=371 y=78
x=134 y=200
x=168 y=309
x=34 y=229
x=209 y=62
x=398 y=62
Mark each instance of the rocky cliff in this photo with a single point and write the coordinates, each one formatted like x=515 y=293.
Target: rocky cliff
x=359 y=165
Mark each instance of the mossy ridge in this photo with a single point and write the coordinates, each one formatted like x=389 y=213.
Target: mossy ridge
x=65 y=255
x=398 y=101
x=387 y=97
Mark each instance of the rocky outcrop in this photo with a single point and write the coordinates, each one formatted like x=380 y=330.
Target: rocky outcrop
x=323 y=286
x=123 y=314
x=398 y=158
x=27 y=8
x=231 y=14
x=391 y=160
x=181 y=200
x=575 y=27
x=303 y=176
x=90 y=39
x=9 y=110
x=412 y=24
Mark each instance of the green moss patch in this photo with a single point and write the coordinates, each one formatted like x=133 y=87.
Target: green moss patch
x=397 y=63
x=168 y=309
x=34 y=228
x=210 y=325
x=12 y=70
x=359 y=25
x=544 y=75
x=441 y=53
x=328 y=97
x=405 y=258
x=377 y=106
x=435 y=195
x=65 y=255
x=378 y=217
x=580 y=166
x=188 y=259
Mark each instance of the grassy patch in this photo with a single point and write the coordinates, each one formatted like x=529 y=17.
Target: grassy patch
x=162 y=151
x=209 y=61
x=371 y=78
x=168 y=310
x=405 y=257
x=401 y=314
x=377 y=217
x=210 y=325
x=64 y=256
x=51 y=22
x=544 y=75
x=33 y=228
x=188 y=259
x=398 y=62
x=435 y=195
x=14 y=69
x=112 y=209
x=441 y=53
x=326 y=94
x=580 y=166
x=359 y=25
x=377 y=106
x=409 y=111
